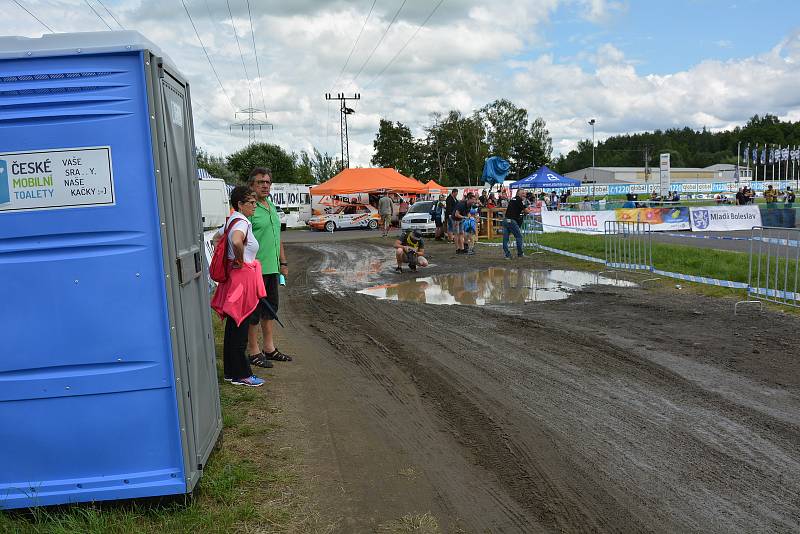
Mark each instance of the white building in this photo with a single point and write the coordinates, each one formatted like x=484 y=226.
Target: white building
x=721 y=172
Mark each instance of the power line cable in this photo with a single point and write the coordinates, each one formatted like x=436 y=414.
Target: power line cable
x=239 y=45
x=28 y=11
x=216 y=75
x=354 y=44
x=255 y=53
x=379 y=42
x=98 y=15
x=110 y=13
x=389 y=64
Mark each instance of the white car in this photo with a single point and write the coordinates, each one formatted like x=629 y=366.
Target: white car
x=350 y=216
x=419 y=218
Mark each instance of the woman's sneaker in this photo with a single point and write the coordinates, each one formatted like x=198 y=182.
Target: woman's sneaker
x=251 y=381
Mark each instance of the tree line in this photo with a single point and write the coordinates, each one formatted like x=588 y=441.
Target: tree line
x=299 y=168
x=454 y=146
x=687 y=147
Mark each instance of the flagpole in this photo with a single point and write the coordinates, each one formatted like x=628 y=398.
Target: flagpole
x=755 y=162
x=747 y=158
x=738 y=155
x=786 y=174
x=772 y=176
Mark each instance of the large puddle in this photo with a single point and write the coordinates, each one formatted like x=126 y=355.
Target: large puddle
x=493 y=286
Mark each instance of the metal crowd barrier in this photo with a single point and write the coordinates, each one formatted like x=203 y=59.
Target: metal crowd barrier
x=628 y=247
x=531 y=228
x=774 y=273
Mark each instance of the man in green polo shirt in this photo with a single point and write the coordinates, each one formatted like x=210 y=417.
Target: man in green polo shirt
x=267 y=230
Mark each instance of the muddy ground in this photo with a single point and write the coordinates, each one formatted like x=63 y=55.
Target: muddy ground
x=615 y=410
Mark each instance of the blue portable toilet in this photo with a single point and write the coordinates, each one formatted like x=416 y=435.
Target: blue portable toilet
x=108 y=382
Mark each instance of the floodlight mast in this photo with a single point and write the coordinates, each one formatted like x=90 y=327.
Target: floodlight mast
x=344 y=111
x=591 y=123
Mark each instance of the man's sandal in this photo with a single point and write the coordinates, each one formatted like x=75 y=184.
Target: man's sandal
x=277 y=355
x=259 y=360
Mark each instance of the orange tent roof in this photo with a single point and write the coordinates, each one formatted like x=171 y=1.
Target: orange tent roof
x=433 y=187
x=368 y=181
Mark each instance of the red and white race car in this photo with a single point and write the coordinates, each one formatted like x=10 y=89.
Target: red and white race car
x=350 y=216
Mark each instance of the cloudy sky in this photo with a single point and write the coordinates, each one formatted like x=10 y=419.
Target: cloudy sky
x=631 y=65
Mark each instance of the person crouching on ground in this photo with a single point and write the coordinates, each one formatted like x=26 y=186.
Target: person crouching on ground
x=385 y=208
x=410 y=249
x=237 y=299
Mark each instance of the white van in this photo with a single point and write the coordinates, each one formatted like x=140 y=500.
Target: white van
x=214 y=202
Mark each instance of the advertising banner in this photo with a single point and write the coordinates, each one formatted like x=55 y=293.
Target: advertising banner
x=724 y=218
x=290 y=195
x=591 y=222
x=59 y=178
x=664 y=175
x=660 y=219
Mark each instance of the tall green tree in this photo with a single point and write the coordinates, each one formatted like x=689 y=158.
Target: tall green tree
x=317 y=167
x=394 y=147
x=215 y=165
x=510 y=136
x=263 y=155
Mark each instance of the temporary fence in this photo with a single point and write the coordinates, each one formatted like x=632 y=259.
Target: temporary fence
x=628 y=246
x=774 y=272
x=531 y=228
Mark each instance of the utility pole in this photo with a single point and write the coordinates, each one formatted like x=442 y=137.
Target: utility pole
x=251 y=124
x=344 y=111
x=646 y=164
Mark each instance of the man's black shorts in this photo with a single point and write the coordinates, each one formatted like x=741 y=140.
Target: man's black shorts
x=271 y=284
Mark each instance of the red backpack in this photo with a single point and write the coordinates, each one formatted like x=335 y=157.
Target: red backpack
x=218 y=269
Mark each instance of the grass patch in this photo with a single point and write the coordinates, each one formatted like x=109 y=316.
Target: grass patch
x=711 y=263
x=250 y=484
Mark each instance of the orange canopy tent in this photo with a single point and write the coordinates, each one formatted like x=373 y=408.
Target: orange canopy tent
x=368 y=181
x=433 y=187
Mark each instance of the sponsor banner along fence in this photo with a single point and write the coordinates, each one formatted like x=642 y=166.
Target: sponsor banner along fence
x=703 y=219
x=680 y=187
x=725 y=218
x=659 y=219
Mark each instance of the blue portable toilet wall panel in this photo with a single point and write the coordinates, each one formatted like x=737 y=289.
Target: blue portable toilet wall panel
x=88 y=407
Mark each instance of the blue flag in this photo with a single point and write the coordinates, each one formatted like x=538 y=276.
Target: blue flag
x=764 y=155
x=746 y=152
x=755 y=155
x=495 y=170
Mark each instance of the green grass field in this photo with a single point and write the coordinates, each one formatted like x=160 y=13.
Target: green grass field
x=250 y=484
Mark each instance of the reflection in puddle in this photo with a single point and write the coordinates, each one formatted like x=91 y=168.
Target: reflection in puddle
x=493 y=286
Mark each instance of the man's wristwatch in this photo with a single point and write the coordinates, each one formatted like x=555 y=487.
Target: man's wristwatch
x=284 y=264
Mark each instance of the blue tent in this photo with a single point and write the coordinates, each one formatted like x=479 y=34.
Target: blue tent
x=546 y=179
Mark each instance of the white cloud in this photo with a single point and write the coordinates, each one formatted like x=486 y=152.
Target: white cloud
x=470 y=53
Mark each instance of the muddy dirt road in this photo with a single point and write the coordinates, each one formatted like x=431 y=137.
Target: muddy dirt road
x=615 y=410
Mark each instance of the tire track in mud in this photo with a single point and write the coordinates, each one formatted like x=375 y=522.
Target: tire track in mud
x=489 y=445
x=583 y=433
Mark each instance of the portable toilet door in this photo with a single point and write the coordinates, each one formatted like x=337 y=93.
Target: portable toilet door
x=108 y=381
x=182 y=234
